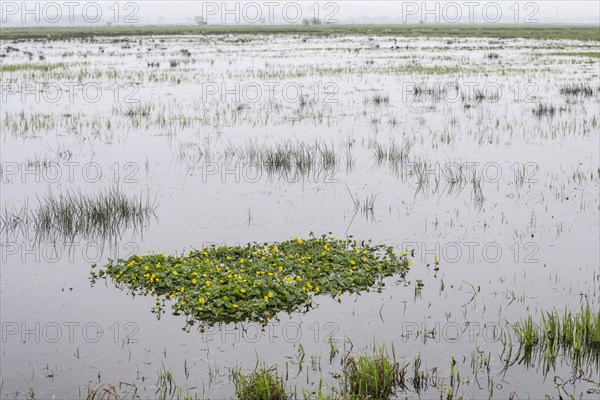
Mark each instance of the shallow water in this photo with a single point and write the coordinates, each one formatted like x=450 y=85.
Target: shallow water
x=518 y=239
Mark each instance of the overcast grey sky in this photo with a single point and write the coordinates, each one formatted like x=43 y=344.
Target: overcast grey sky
x=273 y=11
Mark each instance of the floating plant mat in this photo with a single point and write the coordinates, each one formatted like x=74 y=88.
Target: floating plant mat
x=257 y=281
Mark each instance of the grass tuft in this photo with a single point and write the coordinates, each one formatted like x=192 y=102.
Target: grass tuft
x=261 y=384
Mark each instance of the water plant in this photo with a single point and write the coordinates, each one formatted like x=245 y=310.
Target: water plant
x=371 y=376
x=256 y=281
x=105 y=214
x=262 y=384
x=571 y=335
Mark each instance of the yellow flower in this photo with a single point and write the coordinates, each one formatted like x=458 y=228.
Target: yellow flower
x=174 y=272
x=243 y=290
x=300 y=241
x=207 y=283
x=182 y=289
x=235 y=306
x=201 y=300
x=266 y=299
x=270 y=295
x=194 y=281
x=228 y=258
x=146 y=268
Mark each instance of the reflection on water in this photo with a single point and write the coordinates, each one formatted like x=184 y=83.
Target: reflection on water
x=103 y=216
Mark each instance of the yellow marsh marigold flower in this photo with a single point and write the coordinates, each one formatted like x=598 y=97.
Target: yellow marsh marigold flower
x=266 y=299
x=174 y=272
x=194 y=281
x=201 y=300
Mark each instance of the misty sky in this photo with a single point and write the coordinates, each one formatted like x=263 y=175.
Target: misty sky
x=338 y=11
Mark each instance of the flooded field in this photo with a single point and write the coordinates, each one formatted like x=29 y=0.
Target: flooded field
x=197 y=158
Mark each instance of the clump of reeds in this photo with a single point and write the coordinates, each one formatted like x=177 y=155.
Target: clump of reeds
x=371 y=376
x=66 y=215
x=575 y=335
x=261 y=384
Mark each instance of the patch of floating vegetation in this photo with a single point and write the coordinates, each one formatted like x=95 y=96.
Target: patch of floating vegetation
x=257 y=281
x=570 y=335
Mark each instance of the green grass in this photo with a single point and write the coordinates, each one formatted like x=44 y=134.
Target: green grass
x=44 y=67
x=371 y=376
x=261 y=384
x=105 y=214
x=574 y=335
x=256 y=281
x=574 y=32
x=591 y=54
